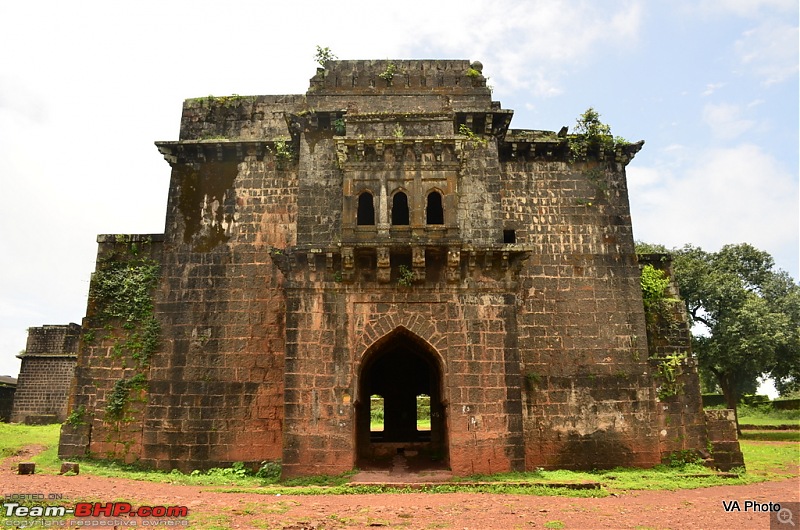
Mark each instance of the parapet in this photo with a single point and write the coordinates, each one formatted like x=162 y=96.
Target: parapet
x=52 y=341
x=437 y=85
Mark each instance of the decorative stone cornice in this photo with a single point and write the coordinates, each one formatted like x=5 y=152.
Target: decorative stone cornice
x=341 y=263
x=214 y=149
x=549 y=146
x=420 y=152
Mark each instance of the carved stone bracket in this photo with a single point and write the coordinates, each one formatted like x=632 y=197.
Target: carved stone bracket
x=429 y=263
x=453 y=265
x=384 y=265
x=348 y=264
x=418 y=263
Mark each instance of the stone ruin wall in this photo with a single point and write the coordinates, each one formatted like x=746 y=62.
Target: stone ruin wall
x=686 y=431
x=48 y=364
x=106 y=361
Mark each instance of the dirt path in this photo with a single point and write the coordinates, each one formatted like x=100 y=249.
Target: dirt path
x=695 y=509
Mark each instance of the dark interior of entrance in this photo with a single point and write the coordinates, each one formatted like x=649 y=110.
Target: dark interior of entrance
x=403 y=372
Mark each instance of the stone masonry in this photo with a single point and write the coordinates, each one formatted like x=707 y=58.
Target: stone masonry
x=48 y=365
x=385 y=234
x=8 y=386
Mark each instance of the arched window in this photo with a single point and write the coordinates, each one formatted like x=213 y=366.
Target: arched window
x=366 y=209
x=434 y=212
x=400 y=209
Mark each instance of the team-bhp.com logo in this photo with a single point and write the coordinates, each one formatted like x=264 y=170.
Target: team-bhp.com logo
x=96 y=514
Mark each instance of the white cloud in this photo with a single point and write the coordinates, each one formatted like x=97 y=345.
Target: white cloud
x=742 y=8
x=725 y=120
x=769 y=51
x=527 y=44
x=711 y=88
x=721 y=196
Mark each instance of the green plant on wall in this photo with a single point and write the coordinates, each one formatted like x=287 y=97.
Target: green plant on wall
x=121 y=292
x=339 y=126
x=324 y=55
x=591 y=134
x=658 y=305
x=283 y=153
x=473 y=73
x=77 y=417
x=388 y=74
x=654 y=284
x=405 y=276
x=471 y=136
x=118 y=399
x=532 y=380
x=668 y=376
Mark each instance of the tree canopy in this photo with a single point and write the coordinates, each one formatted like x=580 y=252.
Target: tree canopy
x=745 y=315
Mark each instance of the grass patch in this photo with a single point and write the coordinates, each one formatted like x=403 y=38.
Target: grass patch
x=771 y=461
x=212 y=477
x=367 y=489
x=13 y=437
x=769 y=455
x=771 y=436
x=210 y=522
x=686 y=476
x=766 y=415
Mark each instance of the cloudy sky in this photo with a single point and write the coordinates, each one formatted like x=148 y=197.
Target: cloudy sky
x=87 y=87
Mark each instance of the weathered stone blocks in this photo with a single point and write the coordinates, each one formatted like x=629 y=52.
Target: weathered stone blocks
x=291 y=290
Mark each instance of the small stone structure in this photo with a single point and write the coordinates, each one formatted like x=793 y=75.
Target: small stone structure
x=48 y=365
x=8 y=386
x=386 y=234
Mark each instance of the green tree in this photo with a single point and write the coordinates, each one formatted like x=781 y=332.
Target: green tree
x=745 y=315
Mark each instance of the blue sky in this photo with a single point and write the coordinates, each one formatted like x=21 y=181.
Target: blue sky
x=87 y=87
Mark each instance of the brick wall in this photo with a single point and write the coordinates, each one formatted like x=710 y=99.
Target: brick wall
x=48 y=364
x=684 y=427
x=110 y=359
x=6 y=401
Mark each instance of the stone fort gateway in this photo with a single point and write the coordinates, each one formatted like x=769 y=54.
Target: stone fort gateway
x=385 y=234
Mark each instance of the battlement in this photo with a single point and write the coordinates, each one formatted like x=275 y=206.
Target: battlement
x=369 y=77
x=400 y=86
x=52 y=341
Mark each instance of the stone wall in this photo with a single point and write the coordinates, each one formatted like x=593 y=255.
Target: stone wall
x=120 y=330
x=684 y=427
x=518 y=311
x=723 y=439
x=217 y=384
x=48 y=364
x=8 y=386
x=587 y=400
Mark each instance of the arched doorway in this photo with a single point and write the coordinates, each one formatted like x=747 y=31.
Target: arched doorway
x=403 y=374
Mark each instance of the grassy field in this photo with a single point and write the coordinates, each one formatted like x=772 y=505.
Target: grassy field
x=765 y=461
x=765 y=416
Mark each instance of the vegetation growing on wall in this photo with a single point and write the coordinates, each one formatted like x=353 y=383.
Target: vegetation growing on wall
x=284 y=153
x=388 y=74
x=668 y=372
x=324 y=55
x=471 y=136
x=592 y=136
x=405 y=276
x=122 y=293
x=658 y=304
x=77 y=417
x=120 y=394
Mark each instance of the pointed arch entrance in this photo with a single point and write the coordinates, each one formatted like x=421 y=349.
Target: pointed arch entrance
x=402 y=371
